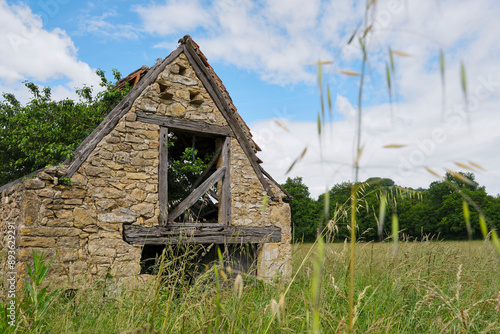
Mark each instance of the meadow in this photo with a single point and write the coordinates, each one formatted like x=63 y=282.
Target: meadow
x=426 y=287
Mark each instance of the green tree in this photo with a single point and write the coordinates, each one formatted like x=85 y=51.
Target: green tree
x=305 y=211
x=444 y=198
x=44 y=131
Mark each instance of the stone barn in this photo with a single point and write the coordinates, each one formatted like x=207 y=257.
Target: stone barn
x=129 y=191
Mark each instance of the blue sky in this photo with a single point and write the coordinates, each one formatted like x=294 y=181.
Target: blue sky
x=264 y=52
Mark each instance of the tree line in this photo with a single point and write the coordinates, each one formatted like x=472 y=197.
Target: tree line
x=437 y=211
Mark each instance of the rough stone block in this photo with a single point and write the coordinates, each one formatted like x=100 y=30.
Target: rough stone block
x=59 y=223
x=183 y=80
x=78 y=267
x=82 y=218
x=176 y=110
x=138 y=176
x=144 y=209
x=41 y=242
x=50 y=232
x=138 y=195
x=64 y=214
x=131 y=116
x=141 y=162
x=133 y=139
x=274 y=261
x=96 y=171
x=182 y=94
x=125 y=268
x=112 y=139
x=109 y=193
x=68 y=242
x=99 y=247
x=116 y=218
x=105 y=204
x=66 y=254
x=34 y=184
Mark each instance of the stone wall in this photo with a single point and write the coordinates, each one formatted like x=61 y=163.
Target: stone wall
x=80 y=222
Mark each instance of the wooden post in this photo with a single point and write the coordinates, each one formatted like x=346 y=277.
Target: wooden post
x=225 y=198
x=163 y=175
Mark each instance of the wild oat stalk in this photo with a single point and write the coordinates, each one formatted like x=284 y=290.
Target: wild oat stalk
x=316 y=286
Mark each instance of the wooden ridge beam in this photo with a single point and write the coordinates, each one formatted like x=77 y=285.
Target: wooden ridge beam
x=162 y=235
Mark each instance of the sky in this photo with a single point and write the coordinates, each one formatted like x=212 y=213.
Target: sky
x=266 y=53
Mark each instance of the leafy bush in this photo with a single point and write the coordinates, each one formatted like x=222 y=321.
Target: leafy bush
x=45 y=132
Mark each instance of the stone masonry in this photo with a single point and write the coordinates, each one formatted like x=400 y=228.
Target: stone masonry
x=79 y=222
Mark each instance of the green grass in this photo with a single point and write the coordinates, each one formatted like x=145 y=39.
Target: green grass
x=431 y=287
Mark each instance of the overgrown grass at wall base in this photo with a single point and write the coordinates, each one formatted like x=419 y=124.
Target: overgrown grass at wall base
x=430 y=287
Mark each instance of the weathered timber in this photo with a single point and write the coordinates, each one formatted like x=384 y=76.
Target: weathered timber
x=196 y=194
x=225 y=201
x=192 y=225
x=109 y=123
x=161 y=235
x=214 y=91
x=206 y=171
x=279 y=185
x=184 y=125
x=163 y=175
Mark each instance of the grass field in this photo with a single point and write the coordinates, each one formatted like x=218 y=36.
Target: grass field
x=430 y=287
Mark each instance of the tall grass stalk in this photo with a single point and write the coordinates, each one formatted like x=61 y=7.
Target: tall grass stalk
x=417 y=293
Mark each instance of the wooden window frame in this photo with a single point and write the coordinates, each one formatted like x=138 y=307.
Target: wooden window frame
x=223 y=174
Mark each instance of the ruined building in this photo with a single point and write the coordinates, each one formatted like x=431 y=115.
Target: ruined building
x=97 y=214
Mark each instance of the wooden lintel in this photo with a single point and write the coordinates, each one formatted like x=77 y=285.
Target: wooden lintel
x=162 y=235
x=196 y=194
x=185 y=125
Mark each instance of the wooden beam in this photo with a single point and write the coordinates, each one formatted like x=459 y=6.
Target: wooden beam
x=185 y=125
x=162 y=235
x=206 y=171
x=196 y=194
x=273 y=180
x=225 y=201
x=214 y=91
x=163 y=175
x=109 y=123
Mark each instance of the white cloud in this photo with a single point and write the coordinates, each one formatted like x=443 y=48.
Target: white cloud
x=101 y=27
x=28 y=51
x=278 y=38
x=438 y=146
x=275 y=38
x=174 y=17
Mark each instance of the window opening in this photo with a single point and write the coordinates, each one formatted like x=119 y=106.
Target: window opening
x=191 y=160
x=190 y=260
